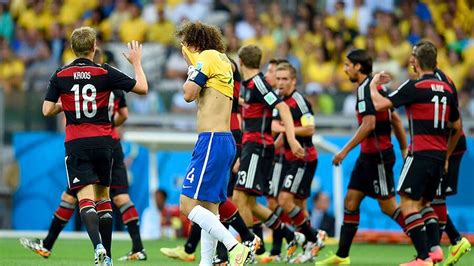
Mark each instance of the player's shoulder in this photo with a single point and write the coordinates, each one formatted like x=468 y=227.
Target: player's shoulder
x=301 y=101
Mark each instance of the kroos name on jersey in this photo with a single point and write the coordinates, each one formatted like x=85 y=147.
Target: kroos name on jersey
x=82 y=75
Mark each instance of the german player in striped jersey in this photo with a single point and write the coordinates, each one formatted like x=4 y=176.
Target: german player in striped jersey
x=258 y=150
x=432 y=112
x=118 y=112
x=299 y=175
x=449 y=187
x=372 y=175
x=84 y=88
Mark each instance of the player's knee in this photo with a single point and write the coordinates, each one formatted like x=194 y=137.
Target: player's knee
x=68 y=198
x=388 y=206
x=121 y=199
x=239 y=198
x=351 y=203
x=285 y=200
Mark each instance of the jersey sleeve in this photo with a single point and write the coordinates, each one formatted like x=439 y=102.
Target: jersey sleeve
x=365 y=106
x=265 y=94
x=119 y=80
x=53 y=92
x=202 y=70
x=405 y=94
x=121 y=96
x=304 y=111
x=454 y=110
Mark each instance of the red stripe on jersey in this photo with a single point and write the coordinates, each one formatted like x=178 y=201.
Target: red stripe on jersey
x=370 y=145
x=115 y=133
x=426 y=84
x=87 y=130
x=310 y=154
x=69 y=72
x=426 y=111
x=255 y=110
x=257 y=137
x=428 y=143
x=236 y=93
x=69 y=103
x=234 y=121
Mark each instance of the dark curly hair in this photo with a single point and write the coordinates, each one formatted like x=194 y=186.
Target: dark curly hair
x=201 y=36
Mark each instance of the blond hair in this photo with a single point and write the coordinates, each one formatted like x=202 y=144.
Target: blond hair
x=83 y=41
x=289 y=68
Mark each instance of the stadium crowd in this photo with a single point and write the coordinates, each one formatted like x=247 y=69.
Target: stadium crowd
x=313 y=35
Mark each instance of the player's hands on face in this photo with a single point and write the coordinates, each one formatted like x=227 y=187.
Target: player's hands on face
x=134 y=55
x=296 y=148
x=185 y=55
x=339 y=157
x=381 y=78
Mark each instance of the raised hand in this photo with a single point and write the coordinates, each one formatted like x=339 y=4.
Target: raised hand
x=134 y=55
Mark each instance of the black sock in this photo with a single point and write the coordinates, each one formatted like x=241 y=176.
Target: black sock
x=238 y=224
x=60 y=218
x=104 y=211
x=301 y=222
x=193 y=239
x=275 y=223
x=348 y=231
x=432 y=228
x=130 y=219
x=277 y=242
x=452 y=232
x=415 y=228
x=55 y=229
x=90 y=220
x=258 y=230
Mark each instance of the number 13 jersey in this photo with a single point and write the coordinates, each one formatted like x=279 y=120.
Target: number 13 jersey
x=84 y=88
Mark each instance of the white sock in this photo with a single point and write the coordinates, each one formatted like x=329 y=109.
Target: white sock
x=208 y=246
x=209 y=222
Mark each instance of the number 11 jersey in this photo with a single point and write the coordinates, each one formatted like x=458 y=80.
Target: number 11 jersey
x=84 y=88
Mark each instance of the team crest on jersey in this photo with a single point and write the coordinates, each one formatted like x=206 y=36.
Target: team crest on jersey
x=270 y=98
x=199 y=65
x=361 y=107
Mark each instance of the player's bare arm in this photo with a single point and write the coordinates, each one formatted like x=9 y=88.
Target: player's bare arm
x=52 y=108
x=399 y=132
x=285 y=115
x=190 y=91
x=455 y=134
x=367 y=126
x=134 y=57
x=380 y=103
x=120 y=116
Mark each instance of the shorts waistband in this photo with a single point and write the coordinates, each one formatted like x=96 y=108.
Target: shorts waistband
x=208 y=134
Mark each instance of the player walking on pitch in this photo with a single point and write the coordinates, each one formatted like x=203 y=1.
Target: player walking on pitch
x=84 y=88
x=210 y=83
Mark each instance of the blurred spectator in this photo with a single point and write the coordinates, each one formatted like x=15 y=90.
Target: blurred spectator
x=466 y=95
x=318 y=69
x=120 y=14
x=29 y=50
x=398 y=48
x=244 y=29
x=320 y=218
x=56 y=41
x=384 y=62
x=162 y=31
x=134 y=27
x=155 y=11
x=189 y=10
x=12 y=70
x=264 y=40
x=38 y=74
x=36 y=16
x=6 y=23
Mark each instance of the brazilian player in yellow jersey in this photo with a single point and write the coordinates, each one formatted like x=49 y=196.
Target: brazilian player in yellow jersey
x=210 y=83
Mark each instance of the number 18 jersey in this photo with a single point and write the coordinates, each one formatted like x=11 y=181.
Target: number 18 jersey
x=84 y=88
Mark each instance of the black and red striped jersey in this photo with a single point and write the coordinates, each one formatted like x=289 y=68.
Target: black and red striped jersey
x=116 y=101
x=379 y=139
x=430 y=105
x=235 y=125
x=259 y=99
x=301 y=111
x=461 y=147
x=84 y=88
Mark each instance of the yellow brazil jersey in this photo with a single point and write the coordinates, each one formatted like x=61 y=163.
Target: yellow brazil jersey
x=216 y=68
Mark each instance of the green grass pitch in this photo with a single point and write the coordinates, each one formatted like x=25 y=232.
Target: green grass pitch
x=79 y=252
